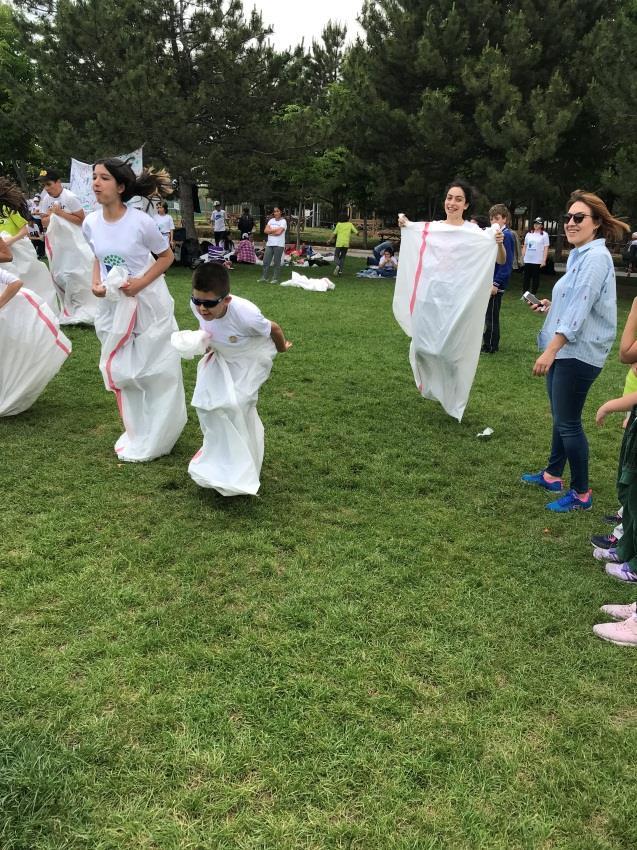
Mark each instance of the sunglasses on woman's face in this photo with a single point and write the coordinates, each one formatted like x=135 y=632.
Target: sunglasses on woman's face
x=578 y=218
x=204 y=302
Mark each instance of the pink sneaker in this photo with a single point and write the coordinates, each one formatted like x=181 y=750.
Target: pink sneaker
x=619 y=612
x=623 y=634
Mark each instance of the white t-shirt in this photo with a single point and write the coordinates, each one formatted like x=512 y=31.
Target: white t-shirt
x=534 y=247
x=277 y=241
x=127 y=242
x=66 y=200
x=6 y=278
x=242 y=320
x=165 y=223
x=218 y=219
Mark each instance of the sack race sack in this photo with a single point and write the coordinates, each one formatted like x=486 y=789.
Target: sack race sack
x=32 y=350
x=309 y=283
x=226 y=395
x=139 y=365
x=440 y=299
x=32 y=272
x=189 y=344
x=71 y=267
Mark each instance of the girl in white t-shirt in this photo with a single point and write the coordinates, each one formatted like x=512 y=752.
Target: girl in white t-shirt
x=275 y=246
x=535 y=252
x=135 y=321
x=165 y=223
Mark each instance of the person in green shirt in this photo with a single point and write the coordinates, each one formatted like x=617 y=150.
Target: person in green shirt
x=13 y=211
x=342 y=232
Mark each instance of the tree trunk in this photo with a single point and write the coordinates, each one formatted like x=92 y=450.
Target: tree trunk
x=186 y=206
x=262 y=218
x=365 y=227
x=559 y=246
x=298 y=223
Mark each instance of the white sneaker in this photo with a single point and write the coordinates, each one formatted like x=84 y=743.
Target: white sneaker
x=622 y=634
x=606 y=555
x=619 y=612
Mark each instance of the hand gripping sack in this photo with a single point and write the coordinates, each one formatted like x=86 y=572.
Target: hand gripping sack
x=71 y=267
x=32 y=272
x=32 y=350
x=440 y=299
x=139 y=365
x=226 y=395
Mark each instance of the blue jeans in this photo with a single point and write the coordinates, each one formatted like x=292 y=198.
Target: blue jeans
x=568 y=382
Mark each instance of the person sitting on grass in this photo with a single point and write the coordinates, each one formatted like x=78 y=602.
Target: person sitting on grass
x=245 y=250
x=388 y=265
x=243 y=345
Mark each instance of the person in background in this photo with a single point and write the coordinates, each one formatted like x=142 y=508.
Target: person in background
x=245 y=250
x=246 y=222
x=12 y=222
x=498 y=214
x=219 y=225
x=575 y=340
x=58 y=200
x=275 y=230
x=165 y=224
x=342 y=234
x=535 y=252
x=388 y=265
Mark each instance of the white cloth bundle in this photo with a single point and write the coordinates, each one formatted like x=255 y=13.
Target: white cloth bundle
x=71 y=267
x=32 y=350
x=442 y=290
x=189 y=344
x=311 y=284
x=31 y=271
x=140 y=366
x=226 y=395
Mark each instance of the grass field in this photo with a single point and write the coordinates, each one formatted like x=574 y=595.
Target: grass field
x=390 y=647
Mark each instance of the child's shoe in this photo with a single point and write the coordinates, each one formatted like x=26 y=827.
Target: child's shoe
x=622 y=634
x=622 y=572
x=604 y=542
x=539 y=480
x=606 y=555
x=619 y=612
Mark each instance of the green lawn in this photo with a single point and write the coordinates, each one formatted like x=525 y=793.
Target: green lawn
x=390 y=648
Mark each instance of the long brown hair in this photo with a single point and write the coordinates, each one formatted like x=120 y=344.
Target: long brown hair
x=609 y=227
x=149 y=182
x=12 y=198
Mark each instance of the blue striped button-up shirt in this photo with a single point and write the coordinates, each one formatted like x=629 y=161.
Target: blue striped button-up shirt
x=584 y=306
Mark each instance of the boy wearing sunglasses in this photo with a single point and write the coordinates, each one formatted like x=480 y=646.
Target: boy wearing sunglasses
x=241 y=349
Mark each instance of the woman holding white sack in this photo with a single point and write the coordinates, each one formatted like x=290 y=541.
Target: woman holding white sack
x=442 y=289
x=32 y=347
x=135 y=321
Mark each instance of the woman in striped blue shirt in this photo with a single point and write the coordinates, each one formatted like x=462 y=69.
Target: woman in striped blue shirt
x=575 y=339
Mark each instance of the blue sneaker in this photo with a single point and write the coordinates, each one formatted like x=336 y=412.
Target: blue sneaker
x=539 y=480
x=570 y=502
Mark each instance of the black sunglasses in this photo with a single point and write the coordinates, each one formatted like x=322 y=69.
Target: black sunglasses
x=578 y=218
x=204 y=302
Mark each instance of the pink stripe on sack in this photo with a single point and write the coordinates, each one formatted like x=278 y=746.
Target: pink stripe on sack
x=423 y=245
x=46 y=321
x=197 y=455
x=111 y=382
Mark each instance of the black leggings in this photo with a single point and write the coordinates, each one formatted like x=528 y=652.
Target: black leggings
x=531 y=277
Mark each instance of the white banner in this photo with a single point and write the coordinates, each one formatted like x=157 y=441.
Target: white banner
x=81 y=183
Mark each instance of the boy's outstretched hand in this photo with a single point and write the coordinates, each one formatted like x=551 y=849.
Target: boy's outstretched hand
x=601 y=414
x=288 y=345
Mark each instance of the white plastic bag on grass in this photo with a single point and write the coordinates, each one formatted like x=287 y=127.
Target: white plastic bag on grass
x=440 y=299
x=32 y=272
x=310 y=284
x=32 y=350
x=71 y=267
